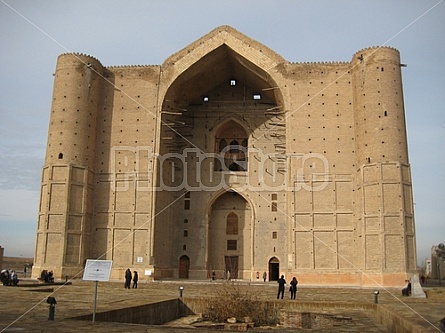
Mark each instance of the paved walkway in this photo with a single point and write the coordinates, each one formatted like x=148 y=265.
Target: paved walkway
x=24 y=308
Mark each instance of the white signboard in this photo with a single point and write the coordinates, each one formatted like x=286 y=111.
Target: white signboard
x=97 y=270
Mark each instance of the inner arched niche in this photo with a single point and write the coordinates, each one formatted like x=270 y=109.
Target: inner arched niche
x=231 y=142
x=230 y=236
x=220 y=83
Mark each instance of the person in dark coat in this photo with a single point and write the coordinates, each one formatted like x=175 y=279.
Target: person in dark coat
x=281 y=283
x=407 y=290
x=135 y=279
x=293 y=288
x=127 y=278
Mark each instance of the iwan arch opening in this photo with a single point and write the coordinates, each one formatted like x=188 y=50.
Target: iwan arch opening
x=208 y=118
x=231 y=147
x=218 y=85
x=230 y=236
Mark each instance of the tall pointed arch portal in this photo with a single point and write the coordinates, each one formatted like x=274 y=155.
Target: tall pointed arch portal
x=230 y=236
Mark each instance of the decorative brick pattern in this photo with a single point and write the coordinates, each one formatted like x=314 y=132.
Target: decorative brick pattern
x=327 y=140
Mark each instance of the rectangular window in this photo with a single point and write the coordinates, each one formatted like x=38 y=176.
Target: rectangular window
x=274 y=196
x=187 y=200
x=274 y=206
x=231 y=244
x=274 y=235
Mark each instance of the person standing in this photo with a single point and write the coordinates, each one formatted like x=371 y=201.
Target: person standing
x=281 y=283
x=127 y=278
x=293 y=288
x=135 y=279
x=264 y=276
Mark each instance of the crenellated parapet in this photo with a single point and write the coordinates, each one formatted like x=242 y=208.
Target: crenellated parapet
x=80 y=56
x=373 y=48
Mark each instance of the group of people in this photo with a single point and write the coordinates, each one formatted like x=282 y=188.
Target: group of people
x=47 y=277
x=129 y=277
x=292 y=288
x=264 y=276
x=9 y=278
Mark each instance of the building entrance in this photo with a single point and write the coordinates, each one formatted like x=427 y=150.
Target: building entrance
x=231 y=263
x=184 y=266
x=274 y=269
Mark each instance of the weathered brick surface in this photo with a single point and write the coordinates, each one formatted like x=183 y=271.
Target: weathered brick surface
x=326 y=195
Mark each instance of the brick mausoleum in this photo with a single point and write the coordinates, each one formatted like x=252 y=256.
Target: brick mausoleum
x=228 y=157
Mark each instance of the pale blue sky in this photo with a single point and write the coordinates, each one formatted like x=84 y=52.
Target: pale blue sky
x=33 y=33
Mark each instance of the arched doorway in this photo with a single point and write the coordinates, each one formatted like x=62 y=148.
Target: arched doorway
x=274 y=269
x=184 y=267
x=230 y=236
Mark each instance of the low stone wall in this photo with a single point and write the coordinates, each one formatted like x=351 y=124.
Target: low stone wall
x=148 y=314
x=395 y=323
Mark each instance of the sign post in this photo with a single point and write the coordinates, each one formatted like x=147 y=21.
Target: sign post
x=97 y=270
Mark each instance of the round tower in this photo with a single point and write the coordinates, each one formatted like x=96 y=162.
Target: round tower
x=378 y=106
x=76 y=100
x=66 y=191
x=383 y=183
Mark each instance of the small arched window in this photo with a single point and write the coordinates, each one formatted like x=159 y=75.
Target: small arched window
x=232 y=224
x=234 y=147
x=231 y=143
x=222 y=144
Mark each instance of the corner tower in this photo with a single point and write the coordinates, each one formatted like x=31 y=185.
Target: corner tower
x=65 y=210
x=385 y=210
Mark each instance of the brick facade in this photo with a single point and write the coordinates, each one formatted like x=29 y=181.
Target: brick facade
x=307 y=162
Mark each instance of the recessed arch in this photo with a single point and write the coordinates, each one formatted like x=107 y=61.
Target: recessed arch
x=274 y=269
x=232 y=224
x=222 y=47
x=230 y=230
x=231 y=141
x=184 y=267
